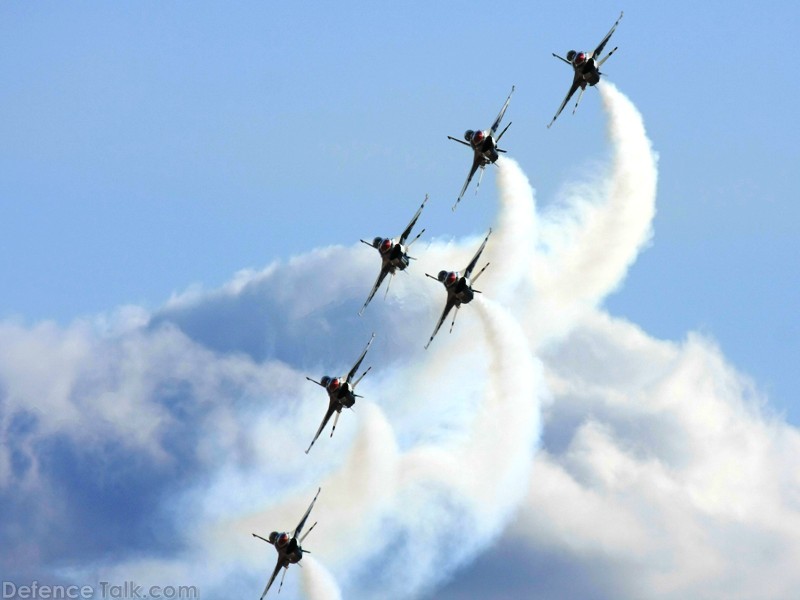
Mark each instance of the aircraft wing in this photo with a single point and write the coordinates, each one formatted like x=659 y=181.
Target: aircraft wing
x=407 y=231
x=447 y=308
x=305 y=516
x=474 y=261
x=575 y=85
x=496 y=124
x=352 y=372
x=271 y=579
x=602 y=44
x=476 y=164
x=381 y=277
x=325 y=419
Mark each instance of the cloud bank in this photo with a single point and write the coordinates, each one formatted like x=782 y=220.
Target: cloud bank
x=150 y=446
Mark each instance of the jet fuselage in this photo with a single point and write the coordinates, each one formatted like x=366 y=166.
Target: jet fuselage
x=341 y=391
x=460 y=290
x=287 y=547
x=395 y=257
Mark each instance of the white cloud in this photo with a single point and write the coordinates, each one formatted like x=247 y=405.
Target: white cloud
x=666 y=470
x=663 y=475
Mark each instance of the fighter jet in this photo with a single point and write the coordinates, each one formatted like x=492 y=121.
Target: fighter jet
x=587 y=69
x=459 y=288
x=341 y=392
x=289 y=550
x=394 y=254
x=484 y=145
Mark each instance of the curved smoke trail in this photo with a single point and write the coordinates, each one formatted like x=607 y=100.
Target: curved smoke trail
x=448 y=499
x=512 y=245
x=409 y=516
x=590 y=243
x=450 y=496
x=404 y=506
x=317 y=582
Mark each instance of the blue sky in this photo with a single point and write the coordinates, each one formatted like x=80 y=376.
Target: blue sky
x=150 y=148
x=147 y=148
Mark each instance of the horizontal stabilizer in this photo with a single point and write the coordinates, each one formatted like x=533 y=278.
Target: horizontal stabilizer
x=449 y=137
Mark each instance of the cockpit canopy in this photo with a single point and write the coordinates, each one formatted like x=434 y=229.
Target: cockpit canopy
x=468 y=135
x=571 y=55
x=376 y=243
x=325 y=380
x=447 y=278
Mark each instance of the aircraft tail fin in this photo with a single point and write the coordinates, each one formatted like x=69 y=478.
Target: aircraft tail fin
x=600 y=63
x=480 y=178
x=580 y=95
x=282 y=576
x=362 y=377
x=474 y=279
x=335 y=421
x=416 y=238
x=502 y=132
x=452 y=324
x=305 y=535
x=388 y=285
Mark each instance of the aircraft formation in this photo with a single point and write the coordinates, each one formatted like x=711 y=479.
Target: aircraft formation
x=458 y=284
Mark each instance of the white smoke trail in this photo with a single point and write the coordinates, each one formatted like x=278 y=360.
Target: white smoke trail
x=512 y=244
x=317 y=582
x=450 y=499
x=507 y=424
x=451 y=496
x=404 y=508
x=592 y=241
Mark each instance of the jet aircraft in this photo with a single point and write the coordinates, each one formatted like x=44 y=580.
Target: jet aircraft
x=394 y=254
x=341 y=392
x=289 y=550
x=459 y=288
x=587 y=69
x=484 y=146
